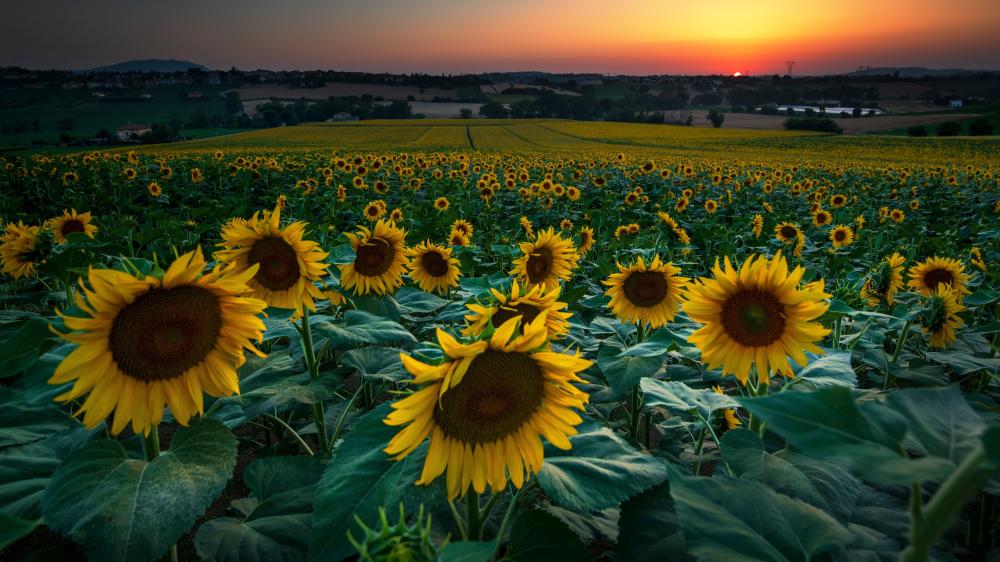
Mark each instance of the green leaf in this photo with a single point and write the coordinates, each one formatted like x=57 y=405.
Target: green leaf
x=22 y=348
x=362 y=328
x=964 y=363
x=467 y=551
x=600 y=471
x=829 y=424
x=25 y=470
x=383 y=306
x=940 y=420
x=416 y=302
x=269 y=476
x=376 y=362
x=981 y=297
x=658 y=343
x=991 y=446
x=539 y=536
x=679 y=397
x=12 y=529
x=736 y=520
x=359 y=479
x=277 y=525
x=650 y=531
x=125 y=509
x=744 y=452
x=624 y=372
x=832 y=368
x=21 y=424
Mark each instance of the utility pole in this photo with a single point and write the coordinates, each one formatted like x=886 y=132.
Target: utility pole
x=791 y=64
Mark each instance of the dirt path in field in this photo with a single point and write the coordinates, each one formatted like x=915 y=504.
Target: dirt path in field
x=851 y=125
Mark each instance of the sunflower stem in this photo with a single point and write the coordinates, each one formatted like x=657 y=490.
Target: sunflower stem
x=897 y=349
x=151 y=444
x=633 y=430
x=473 y=516
x=836 y=332
x=696 y=468
x=510 y=510
x=757 y=389
x=151 y=448
x=459 y=521
x=934 y=517
x=312 y=365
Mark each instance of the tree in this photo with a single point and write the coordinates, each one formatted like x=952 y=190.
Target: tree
x=981 y=127
x=233 y=103
x=493 y=110
x=67 y=124
x=465 y=113
x=949 y=129
x=917 y=131
x=716 y=117
x=856 y=112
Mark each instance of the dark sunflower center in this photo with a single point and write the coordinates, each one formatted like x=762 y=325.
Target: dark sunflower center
x=499 y=393
x=753 y=318
x=789 y=232
x=373 y=211
x=506 y=312
x=935 y=277
x=279 y=264
x=72 y=226
x=165 y=332
x=374 y=258
x=645 y=288
x=539 y=265
x=839 y=235
x=434 y=264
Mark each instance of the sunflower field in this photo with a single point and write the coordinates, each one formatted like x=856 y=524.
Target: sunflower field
x=227 y=352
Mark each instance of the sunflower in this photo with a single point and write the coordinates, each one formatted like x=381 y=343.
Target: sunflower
x=396 y=215
x=786 y=232
x=69 y=223
x=885 y=281
x=145 y=342
x=487 y=407
x=196 y=175
x=757 y=226
x=841 y=235
x=928 y=274
x=546 y=260
x=19 y=250
x=442 y=204
x=463 y=226
x=457 y=238
x=379 y=258
x=586 y=239
x=288 y=264
x=129 y=173
x=646 y=294
x=941 y=319
x=433 y=268
x=756 y=315
x=822 y=218
x=729 y=414
x=154 y=189
x=373 y=211
x=897 y=215
x=530 y=305
x=837 y=201
x=711 y=206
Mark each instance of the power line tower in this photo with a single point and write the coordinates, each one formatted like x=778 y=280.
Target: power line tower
x=791 y=64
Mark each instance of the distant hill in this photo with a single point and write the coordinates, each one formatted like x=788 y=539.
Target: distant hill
x=150 y=65
x=915 y=72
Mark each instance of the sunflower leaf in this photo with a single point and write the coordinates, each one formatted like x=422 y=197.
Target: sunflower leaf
x=360 y=478
x=600 y=471
x=650 y=530
x=362 y=328
x=126 y=509
x=829 y=424
x=679 y=397
x=539 y=536
x=730 y=519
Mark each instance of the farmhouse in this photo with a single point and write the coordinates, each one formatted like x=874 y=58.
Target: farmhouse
x=131 y=131
x=342 y=116
x=954 y=104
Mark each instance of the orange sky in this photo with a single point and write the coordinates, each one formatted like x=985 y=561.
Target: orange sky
x=628 y=36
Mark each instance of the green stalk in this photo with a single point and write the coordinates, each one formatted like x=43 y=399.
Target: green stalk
x=312 y=365
x=151 y=447
x=697 y=449
x=836 y=332
x=900 y=342
x=473 y=516
x=505 y=522
x=633 y=426
x=757 y=389
x=933 y=518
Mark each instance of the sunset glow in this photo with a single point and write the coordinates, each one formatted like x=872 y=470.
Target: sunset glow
x=632 y=36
